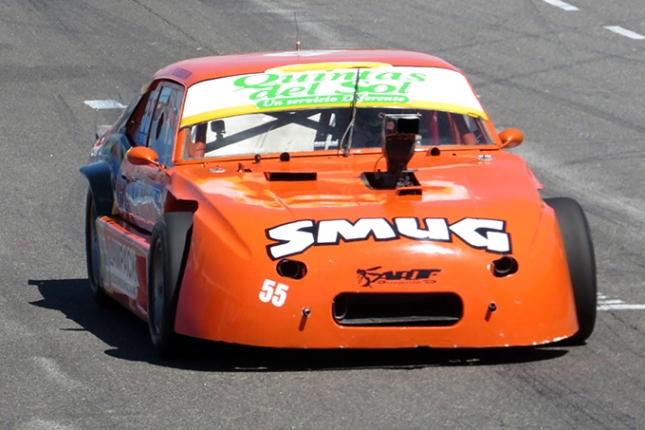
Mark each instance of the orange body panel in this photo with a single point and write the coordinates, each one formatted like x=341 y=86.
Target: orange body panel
x=228 y=262
x=189 y=72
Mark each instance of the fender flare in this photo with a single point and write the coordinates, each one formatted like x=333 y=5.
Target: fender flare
x=169 y=247
x=581 y=259
x=99 y=176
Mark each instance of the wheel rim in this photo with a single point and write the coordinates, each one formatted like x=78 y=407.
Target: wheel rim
x=157 y=290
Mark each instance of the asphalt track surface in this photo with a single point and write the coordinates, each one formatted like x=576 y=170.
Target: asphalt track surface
x=574 y=87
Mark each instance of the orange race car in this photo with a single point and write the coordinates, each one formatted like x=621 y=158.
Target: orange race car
x=330 y=199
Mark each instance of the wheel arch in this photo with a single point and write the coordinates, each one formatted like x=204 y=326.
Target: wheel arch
x=180 y=225
x=99 y=175
x=169 y=247
x=579 y=250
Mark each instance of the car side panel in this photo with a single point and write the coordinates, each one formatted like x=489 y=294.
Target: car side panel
x=124 y=269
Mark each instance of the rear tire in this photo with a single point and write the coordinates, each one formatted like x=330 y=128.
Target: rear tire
x=578 y=245
x=93 y=254
x=168 y=251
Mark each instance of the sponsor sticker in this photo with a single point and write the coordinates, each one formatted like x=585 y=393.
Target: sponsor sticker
x=286 y=89
x=373 y=275
x=296 y=237
x=121 y=267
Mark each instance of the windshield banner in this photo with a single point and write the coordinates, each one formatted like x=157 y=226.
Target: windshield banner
x=280 y=89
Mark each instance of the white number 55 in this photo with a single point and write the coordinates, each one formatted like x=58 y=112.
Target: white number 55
x=272 y=293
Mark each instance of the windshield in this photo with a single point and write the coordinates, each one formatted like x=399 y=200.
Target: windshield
x=309 y=108
x=322 y=129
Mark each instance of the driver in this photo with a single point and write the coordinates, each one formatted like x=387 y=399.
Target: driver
x=195 y=148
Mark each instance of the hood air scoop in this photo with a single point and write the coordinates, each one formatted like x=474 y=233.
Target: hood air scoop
x=290 y=176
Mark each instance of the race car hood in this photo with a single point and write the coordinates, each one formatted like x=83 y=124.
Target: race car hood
x=283 y=209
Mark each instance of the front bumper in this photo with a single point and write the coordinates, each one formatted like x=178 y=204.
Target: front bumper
x=225 y=296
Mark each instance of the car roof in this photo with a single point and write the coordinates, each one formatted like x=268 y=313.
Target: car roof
x=189 y=72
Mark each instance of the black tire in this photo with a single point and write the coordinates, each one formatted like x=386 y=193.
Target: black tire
x=582 y=263
x=169 y=245
x=93 y=254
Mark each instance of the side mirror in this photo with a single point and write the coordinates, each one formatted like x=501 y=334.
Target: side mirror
x=511 y=137
x=142 y=155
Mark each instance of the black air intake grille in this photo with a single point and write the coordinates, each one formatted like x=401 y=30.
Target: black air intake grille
x=397 y=310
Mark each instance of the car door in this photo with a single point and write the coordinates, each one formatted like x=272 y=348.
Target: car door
x=141 y=186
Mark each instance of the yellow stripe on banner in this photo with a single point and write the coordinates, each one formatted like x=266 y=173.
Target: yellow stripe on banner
x=251 y=109
x=328 y=66
x=448 y=107
x=218 y=113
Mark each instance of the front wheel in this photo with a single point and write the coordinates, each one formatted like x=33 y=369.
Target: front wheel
x=578 y=246
x=168 y=250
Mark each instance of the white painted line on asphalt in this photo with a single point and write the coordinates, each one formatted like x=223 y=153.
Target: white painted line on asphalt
x=624 y=32
x=607 y=304
x=610 y=302
x=37 y=424
x=104 y=104
x=620 y=307
x=562 y=5
x=53 y=371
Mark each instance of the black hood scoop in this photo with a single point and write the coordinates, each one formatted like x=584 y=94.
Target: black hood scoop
x=290 y=176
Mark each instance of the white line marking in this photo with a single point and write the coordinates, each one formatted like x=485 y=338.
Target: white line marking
x=607 y=304
x=38 y=424
x=562 y=5
x=53 y=371
x=104 y=104
x=620 y=307
x=610 y=302
x=624 y=32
